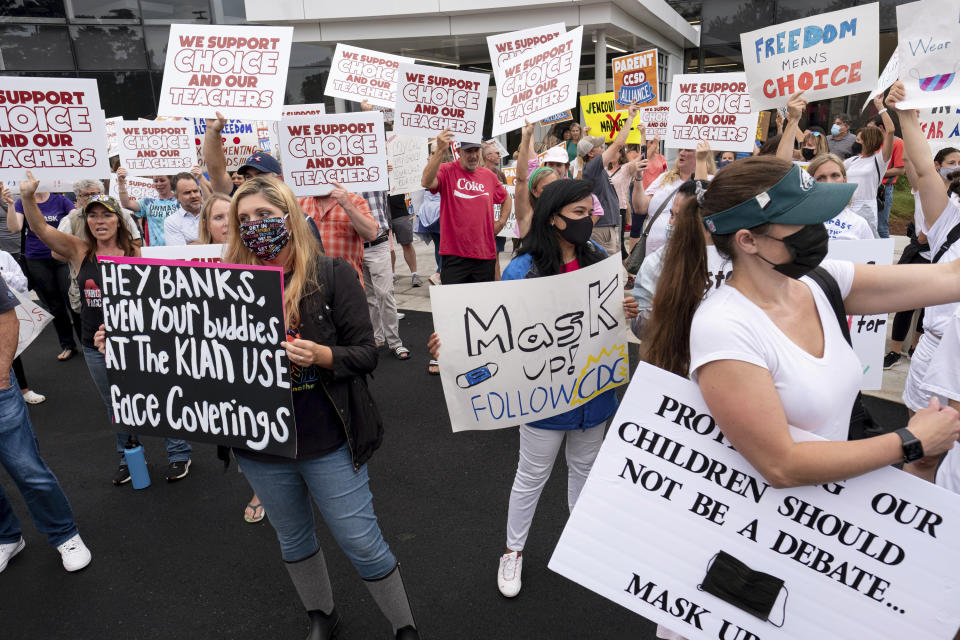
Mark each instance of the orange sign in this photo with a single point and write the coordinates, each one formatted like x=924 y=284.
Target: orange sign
x=635 y=79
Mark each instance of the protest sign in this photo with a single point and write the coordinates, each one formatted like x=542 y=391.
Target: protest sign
x=510 y=229
x=676 y=526
x=941 y=126
x=654 y=120
x=635 y=79
x=713 y=107
x=111 y=126
x=152 y=148
x=601 y=116
x=868 y=333
x=361 y=74
x=522 y=350
x=563 y=116
x=824 y=55
x=763 y=126
x=504 y=47
x=348 y=148
x=190 y=252
x=887 y=77
x=316 y=109
x=929 y=34
x=431 y=99
x=408 y=156
x=538 y=83
x=136 y=188
x=237 y=69
x=193 y=351
x=53 y=127
x=33 y=320
x=239 y=140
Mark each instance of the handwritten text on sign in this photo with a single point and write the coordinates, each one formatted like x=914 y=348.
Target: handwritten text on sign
x=361 y=74
x=348 y=148
x=504 y=47
x=825 y=56
x=669 y=501
x=929 y=33
x=431 y=99
x=941 y=125
x=238 y=139
x=151 y=148
x=52 y=126
x=600 y=114
x=240 y=70
x=522 y=350
x=408 y=156
x=713 y=107
x=539 y=83
x=193 y=351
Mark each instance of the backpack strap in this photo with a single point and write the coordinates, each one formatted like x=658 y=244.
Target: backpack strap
x=951 y=238
x=832 y=290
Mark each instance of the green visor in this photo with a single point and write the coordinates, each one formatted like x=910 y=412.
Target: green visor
x=796 y=199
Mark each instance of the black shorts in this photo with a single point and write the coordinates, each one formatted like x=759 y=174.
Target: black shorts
x=460 y=270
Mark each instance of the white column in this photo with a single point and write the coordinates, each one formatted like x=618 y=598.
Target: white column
x=600 y=61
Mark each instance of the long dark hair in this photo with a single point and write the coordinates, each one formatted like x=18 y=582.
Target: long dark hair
x=124 y=239
x=541 y=241
x=682 y=280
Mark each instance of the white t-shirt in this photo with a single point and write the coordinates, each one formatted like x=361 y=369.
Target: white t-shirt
x=919 y=224
x=659 y=193
x=936 y=318
x=848 y=226
x=866 y=173
x=645 y=285
x=728 y=326
x=948 y=474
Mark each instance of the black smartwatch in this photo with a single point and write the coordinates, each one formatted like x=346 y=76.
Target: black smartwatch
x=912 y=447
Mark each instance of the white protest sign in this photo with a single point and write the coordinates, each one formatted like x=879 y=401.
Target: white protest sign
x=538 y=83
x=348 y=148
x=504 y=47
x=941 y=126
x=239 y=140
x=654 y=120
x=111 y=126
x=887 y=77
x=516 y=351
x=152 y=148
x=868 y=333
x=136 y=188
x=33 y=319
x=714 y=107
x=824 y=55
x=53 y=127
x=431 y=99
x=929 y=33
x=408 y=156
x=361 y=74
x=669 y=502
x=316 y=109
x=190 y=252
x=240 y=70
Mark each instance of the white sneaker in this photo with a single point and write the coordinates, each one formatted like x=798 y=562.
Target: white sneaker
x=401 y=315
x=74 y=554
x=508 y=577
x=435 y=279
x=32 y=397
x=7 y=551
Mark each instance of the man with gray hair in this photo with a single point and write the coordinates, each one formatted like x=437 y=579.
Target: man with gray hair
x=841 y=140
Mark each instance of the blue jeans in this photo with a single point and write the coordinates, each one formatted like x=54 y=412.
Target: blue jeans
x=343 y=497
x=883 y=216
x=177 y=450
x=20 y=456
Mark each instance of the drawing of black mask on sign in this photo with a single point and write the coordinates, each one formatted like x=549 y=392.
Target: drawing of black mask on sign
x=752 y=591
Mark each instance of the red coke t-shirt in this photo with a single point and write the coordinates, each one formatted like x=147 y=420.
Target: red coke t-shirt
x=466 y=211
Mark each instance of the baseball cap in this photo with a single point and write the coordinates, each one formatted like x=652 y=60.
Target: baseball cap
x=556 y=154
x=108 y=203
x=796 y=199
x=262 y=162
x=469 y=145
x=588 y=144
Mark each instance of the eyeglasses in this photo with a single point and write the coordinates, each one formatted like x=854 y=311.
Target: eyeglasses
x=89 y=195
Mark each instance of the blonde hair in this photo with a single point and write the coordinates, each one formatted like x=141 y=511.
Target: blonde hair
x=824 y=158
x=204 y=232
x=673 y=174
x=818 y=141
x=301 y=281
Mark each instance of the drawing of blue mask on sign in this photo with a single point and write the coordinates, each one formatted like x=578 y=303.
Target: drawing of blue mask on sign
x=476 y=376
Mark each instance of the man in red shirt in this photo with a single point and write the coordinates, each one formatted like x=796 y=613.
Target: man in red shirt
x=467 y=195
x=345 y=223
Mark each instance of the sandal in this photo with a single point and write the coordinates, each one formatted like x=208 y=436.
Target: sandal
x=258 y=513
x=401 y=352
x=66 y=354
x=433 y=368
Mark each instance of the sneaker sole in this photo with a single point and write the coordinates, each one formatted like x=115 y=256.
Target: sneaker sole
x=122 y=482
x=19 y=548
x=186 y=470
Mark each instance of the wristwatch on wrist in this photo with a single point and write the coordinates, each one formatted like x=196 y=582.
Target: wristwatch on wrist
x=912 y=447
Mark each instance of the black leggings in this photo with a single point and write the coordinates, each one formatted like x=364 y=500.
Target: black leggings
x=20 y=373
x=901 y=321
x=51 y=280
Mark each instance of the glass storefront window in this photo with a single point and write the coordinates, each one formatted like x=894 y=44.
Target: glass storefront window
x=787 y=11
x=156 y=39
x=722 y=58
x=176 y=10
x=126 y=93
x=305 y=86
x=35 y=47
x=100 y=48
x=32 y=9
x=233 y=11
x=105 y=9
x=725 y=20
x=888 y=13
x=307 y=54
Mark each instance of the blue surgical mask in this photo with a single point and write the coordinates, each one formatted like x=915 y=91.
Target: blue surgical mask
x=946 y=171
x=835 y=130
x=724 y=163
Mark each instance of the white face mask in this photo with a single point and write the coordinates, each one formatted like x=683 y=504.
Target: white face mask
x=669 y=231
x=946 y=171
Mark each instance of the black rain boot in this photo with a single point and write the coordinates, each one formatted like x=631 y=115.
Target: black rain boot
x=312 y=582
x=322 y=625
x=407 y=633
x=391 y=596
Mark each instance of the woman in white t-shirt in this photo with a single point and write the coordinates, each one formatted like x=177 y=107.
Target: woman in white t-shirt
x=847 y=225
x=866 y=167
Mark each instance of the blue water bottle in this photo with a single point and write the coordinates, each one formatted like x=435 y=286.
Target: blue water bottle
x=136 y=464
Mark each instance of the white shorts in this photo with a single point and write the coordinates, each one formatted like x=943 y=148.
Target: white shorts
x=943 y=372
x=915 y=396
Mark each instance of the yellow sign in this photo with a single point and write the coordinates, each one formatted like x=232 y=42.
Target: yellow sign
x=600 y=114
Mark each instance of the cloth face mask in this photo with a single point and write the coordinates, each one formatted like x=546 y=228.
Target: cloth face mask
x=266 y=238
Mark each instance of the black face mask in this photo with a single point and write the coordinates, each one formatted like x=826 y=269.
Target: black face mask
x=578 y=230
x=808 y=153
x=736 y=583
x=807 y=247
x=856 y=148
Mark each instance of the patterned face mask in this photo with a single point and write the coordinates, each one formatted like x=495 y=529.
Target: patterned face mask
x=266 y=238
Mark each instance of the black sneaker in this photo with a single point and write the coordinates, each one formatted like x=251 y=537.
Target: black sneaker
x=177 y=470
x=122 y=476
x=910 y=351
x=891 y=359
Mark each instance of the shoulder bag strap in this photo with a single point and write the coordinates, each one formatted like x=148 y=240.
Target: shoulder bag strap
x=951 y=238
x=832 y=290
x=663 y=205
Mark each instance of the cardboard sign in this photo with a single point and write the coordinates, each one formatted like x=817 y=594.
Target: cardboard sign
x=189 y=253
x=152 y=148
x=868 y=333
x=635 y=79
x=348 y=148
x=824 y=55
x=669 y=502
x=193 y=351
x=361 y=74
x=654 y=120
x=538 y=82
x=33 y=320
x=887 y=77
x=763 y=126
x=233 y=69
x=929 y=33
x=239 y=138
x=563 y=116
x=136 y=188
x=713 y=107
x=523 y=350
x=53 y=127
x=504 y=47
x=601 y=116
x=941 y=126
x=408 y=156
x=431 y=99
x=112 y=127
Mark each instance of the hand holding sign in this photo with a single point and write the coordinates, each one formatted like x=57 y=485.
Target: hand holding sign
x=936 y=427
x=897 y=94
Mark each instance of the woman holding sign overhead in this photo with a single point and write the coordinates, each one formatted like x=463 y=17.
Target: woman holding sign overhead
x=331 y=350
